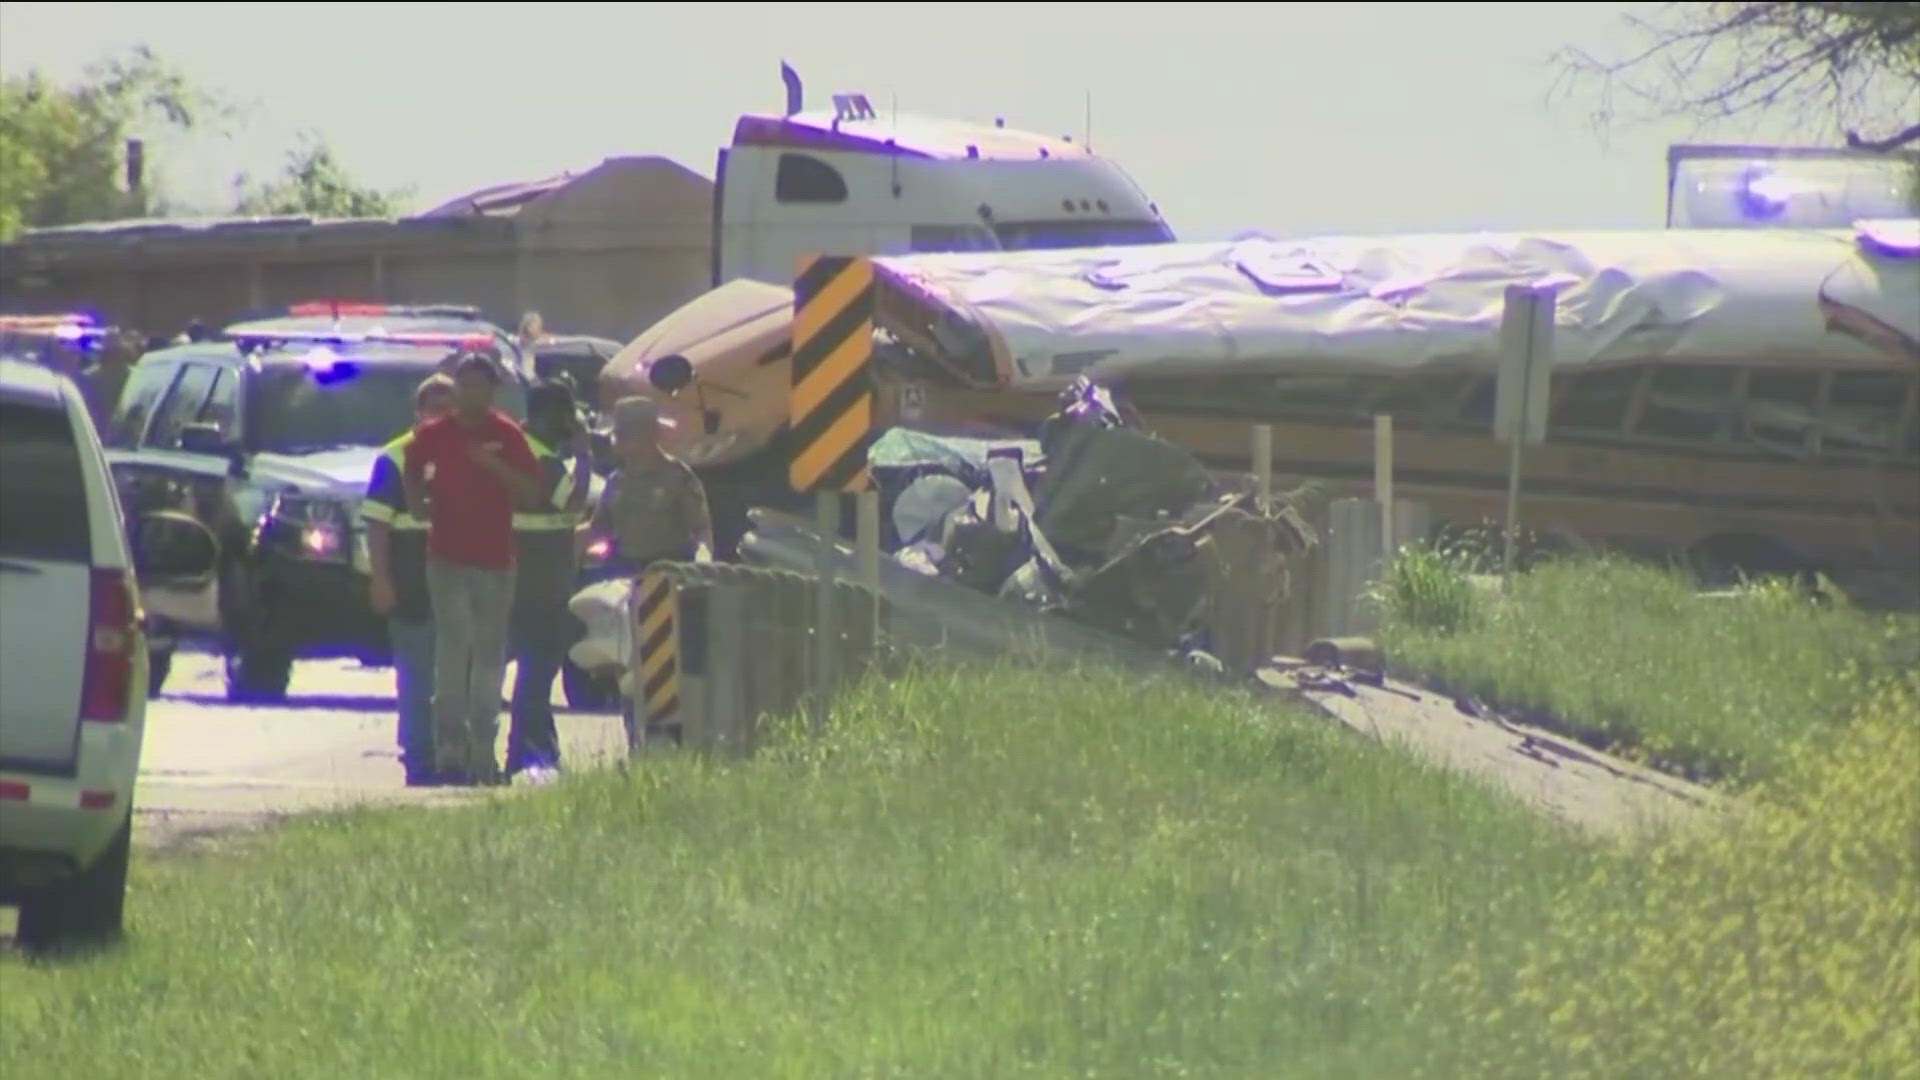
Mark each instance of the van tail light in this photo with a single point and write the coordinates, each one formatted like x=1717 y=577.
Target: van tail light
x=112 y=634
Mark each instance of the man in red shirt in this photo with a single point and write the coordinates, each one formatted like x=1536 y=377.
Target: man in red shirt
x=465 y=474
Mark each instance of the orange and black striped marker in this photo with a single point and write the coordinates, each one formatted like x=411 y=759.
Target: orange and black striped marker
x=658 y=698
x=831 y=407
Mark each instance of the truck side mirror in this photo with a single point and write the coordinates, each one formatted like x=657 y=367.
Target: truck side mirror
x=670 y=374
x=172 y=547
x=202 y=439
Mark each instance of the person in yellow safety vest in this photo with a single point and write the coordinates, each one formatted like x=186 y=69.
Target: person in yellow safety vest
x=541 y=627
x=397 y=554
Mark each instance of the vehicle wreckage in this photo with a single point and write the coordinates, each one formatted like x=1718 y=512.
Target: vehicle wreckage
x=1096 y=524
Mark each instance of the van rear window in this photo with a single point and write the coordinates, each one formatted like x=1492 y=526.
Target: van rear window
x=43 y=496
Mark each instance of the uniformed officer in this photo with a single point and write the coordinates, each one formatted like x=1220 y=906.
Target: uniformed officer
x=397 y=557
x=653 y=508
x=541 y=627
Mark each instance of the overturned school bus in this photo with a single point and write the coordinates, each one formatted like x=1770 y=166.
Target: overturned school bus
x=1741 y=395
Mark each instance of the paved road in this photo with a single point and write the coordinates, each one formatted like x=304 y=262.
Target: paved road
x=209 y=766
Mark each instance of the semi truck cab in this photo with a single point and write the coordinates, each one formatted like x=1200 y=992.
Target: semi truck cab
x=849 y=181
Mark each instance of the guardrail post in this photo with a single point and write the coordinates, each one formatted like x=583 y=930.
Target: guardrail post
x=728 y=689
x=826 y=624
x=656 y=684
x=831 y=420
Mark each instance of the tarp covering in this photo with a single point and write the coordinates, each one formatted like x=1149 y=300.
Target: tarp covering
x=1036 y=319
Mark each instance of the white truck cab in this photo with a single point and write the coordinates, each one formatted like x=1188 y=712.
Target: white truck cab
x=851 y=182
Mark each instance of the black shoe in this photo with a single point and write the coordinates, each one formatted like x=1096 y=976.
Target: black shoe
x=425 y=778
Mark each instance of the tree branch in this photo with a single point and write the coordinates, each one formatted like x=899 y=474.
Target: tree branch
x=1881 y=146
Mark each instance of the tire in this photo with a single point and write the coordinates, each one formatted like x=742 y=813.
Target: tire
x=159 y=664
x=257 y=669
x=586 y=693
x=85 y=910
x=257 y=674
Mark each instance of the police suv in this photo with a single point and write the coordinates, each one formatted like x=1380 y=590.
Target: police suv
x=267 y=437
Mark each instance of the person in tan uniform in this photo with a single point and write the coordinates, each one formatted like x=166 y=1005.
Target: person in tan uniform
x=653 y=507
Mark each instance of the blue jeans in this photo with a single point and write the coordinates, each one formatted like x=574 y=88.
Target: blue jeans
x=413 y=689
x=470 y=609
x=538 y=652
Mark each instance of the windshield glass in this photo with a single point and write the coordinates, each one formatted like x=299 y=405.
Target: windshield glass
x=1018 y=235
x=1796 y=193
x=295 y=410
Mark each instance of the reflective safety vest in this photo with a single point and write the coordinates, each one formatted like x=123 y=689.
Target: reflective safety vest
x=388 y=502
x=557 y=474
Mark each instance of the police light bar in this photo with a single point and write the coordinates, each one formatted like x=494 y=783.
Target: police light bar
x=69 y=327
x=261 y=337
x=342 y=309
x=48 y=322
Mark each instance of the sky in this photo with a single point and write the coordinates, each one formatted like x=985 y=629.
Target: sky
x=1299 y=119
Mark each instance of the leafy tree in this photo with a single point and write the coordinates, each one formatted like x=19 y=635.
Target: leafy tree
x=314 y=183
x=62 y=147
x=1854 y=65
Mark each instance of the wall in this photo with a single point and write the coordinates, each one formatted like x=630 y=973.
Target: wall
x=607 y=254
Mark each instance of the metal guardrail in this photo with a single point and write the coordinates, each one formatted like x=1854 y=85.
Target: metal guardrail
x=720 y=647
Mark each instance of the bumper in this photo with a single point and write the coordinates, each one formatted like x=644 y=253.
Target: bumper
x=52 y=826
x=320 y=609
x=44 y=841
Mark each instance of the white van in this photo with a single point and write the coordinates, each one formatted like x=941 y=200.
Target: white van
x=73 y=660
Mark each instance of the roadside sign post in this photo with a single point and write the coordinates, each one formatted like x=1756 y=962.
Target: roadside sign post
x=831 y=425
x=866 y=538
x=1521 y=393
x=1383 y=488
x=1263 y=467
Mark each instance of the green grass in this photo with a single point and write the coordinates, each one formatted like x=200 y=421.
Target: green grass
x=1630 y=658
x=974 y=875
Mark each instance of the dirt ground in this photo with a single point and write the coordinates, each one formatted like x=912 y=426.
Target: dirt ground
x=1568 y=781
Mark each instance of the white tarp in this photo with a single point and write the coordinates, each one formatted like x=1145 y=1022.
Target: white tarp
x=1403 y=303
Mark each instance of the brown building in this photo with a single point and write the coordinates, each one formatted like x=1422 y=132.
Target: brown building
x=603 y=252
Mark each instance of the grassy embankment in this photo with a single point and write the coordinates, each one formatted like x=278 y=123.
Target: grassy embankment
x=1633 y=660
x=1784 y=942
x=1022 y=874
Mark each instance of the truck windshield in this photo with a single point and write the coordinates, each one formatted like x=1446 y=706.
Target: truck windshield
x=295 y=410
x=1027 y=235
x=1761 y=192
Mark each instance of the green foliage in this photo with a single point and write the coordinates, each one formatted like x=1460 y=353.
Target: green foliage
x=1429 y=589
x=313 y=183
x=62 y=148
x=1784 y=944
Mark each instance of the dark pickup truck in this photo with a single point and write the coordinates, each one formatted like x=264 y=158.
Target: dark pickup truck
x=268 y=437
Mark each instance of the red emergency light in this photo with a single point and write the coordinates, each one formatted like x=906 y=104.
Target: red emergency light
x=334 y=309
x=32 y=323
x=71 y=327
x=343 y=309
x=474 y=342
